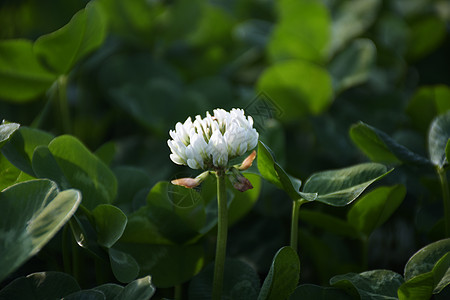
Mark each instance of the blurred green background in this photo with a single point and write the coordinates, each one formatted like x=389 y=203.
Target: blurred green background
x=321 y=66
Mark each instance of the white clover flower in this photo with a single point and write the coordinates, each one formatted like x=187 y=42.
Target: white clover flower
x=212 y=141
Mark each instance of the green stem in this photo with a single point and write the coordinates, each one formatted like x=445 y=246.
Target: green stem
x=446 y=199
x=221 y=244
x=294 y=222
x=63 y=104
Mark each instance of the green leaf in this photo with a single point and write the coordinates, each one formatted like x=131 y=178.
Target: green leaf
x=350 y=20
x=110 y=223
x=124 y=266
x=438 y=137
x=284 y=82
x=425 y=35
x=19 y=149
x=22 y=77
x=353 y=65
x=241 y=282
x=131 y=181
x=375 y=208
x=340 y=187
x=426 y=103
x=62 y=49
x=178 y=212
x=328 y=222
x=169 y=265
x=302 y=32
x=424 y=285
x=424 y=260
x=86 y=295
x=379 y=147
x=283 y=275
x=376 y=284
x=9 y=174
x=310 y=291
x=6 y=131
x=46 y=166
x=40 y=286
x=33 y=213
x=110 y=290
x=274 y=173
x=139 y=289
x=84 y=171
x=106 y=152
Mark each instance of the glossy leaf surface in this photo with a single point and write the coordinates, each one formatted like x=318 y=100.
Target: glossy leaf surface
x=33 y=213
x=340 y=187
x=438 y=137
x=283 y=275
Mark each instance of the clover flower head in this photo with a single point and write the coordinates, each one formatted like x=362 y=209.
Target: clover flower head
x=211 y=142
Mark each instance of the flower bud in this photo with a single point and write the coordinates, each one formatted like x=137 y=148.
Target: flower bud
x=247 y=163
x=238 y=180
x=190 y=183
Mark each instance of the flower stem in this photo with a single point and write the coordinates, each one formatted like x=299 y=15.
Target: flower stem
x=446 y=199
x=294 y=222
x=221 y=244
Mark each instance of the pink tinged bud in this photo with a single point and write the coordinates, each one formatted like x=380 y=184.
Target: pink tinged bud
x=247 y=163
x=187 y=182
x=238 y=180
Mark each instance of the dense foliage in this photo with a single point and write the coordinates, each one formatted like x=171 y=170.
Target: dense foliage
x=351 y=97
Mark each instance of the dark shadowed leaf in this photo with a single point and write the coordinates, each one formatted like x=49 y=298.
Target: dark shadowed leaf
x=241 y=282
x=311 y=291
x=379 y=147
x=40 y=286
x=123 y=265
x=110 y=223
x=283 y=275
x=328 y=222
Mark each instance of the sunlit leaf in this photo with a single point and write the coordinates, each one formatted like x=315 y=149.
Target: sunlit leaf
x=302 y=31
x=62 y=49
x=139 y=289
x=6 y=131
x=33 y=213
x=340 y=187
x=285 y=83
x=22 y=77
x=423 y=285
x=283 y=275
x=438 y=137
x=382 y=284
x=374 y=208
